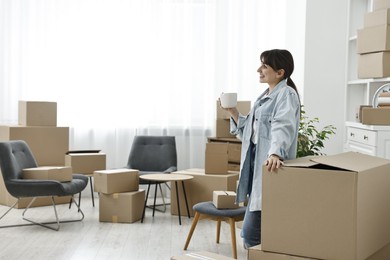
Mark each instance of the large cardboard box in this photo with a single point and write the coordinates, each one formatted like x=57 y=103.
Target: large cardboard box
x=8 y=200
x=376 y=116
x=380 y=4
x=48 y=144
x=86 y=163
x=255 y=253
x=375 y=18
x=224 y=199
x=124 y=207
x=216 y=158
x=37 y=113
x=329 y=207
x=200 y=188
x=365 y=36
x=244 y=107
x=58 y=173
x=203 y=255
x=374 y=65
x=116 y=180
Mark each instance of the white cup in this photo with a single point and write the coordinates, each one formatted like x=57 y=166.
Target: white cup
x=228 y=100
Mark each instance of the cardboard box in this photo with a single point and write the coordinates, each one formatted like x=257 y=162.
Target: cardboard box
x=115 y=181
x=376 y=116
x=203 y=255
x=216 y=158
x=365 y=36
x=124 y=207
x=374 y=65
x=8 y=200
x=329 y=207
x=380 y=4
x=375 y=18
x=86 y=163
x=255 y=253
x=244 y=107
x=234 y=147
x=200 y=188
x=224 y=199
x=234 y=167
x=58 y=173
x=37 y=113
x=382 y=254
x=48 y=144
x=222 y=128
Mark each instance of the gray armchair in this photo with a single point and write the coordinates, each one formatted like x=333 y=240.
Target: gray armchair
x=153 y=154
x=16 y=156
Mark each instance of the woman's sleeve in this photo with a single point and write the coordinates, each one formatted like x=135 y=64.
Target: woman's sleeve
x=238 y=128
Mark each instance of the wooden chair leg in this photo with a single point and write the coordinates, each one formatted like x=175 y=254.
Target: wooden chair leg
x=218 y=229
x=232 y=223
x=194 y=222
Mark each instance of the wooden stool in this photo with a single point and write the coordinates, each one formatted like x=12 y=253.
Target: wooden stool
x=207 y=210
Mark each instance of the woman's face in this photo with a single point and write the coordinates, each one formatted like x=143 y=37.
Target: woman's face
x=269 y=75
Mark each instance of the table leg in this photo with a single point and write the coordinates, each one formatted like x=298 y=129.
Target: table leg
x=178 y=203
x=146 y=200
x=185 y=197
x=154 y=202
x=93 y=199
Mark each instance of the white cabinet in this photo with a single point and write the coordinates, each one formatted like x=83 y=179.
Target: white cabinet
x=359 y=137
x=369 y=139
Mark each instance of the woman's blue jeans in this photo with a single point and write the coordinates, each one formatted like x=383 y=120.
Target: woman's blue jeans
x=251 y=228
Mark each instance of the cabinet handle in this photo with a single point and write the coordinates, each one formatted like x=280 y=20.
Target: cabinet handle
x=352 y=134
x=365 y=137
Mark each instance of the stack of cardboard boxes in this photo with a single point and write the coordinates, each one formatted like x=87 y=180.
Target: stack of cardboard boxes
x=48 y=142
x=120 y=199
x=222 y=164
x=327 y=207
x=223 y=151
x=373 y=47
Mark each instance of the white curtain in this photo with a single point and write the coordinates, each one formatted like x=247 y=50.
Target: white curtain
x=120 y=68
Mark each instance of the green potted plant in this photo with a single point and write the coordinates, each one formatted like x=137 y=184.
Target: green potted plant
x=310 y=139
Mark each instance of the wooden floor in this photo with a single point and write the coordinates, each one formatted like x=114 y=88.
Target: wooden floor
x=157 y=238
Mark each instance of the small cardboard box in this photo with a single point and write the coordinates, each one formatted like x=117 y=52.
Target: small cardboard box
x=327 y=207
x=244 y=107
x=203 y=255
x=37 y=113
x=374 y=65
x=124 y=207
x=375 y=18
x=86 y=163
x=47 y=143
x=234 y=147
x=216 y=158
x=58 y=173
x=365 y=36
x=222 y=128
x=380 y=4
x=376 y=116
x=200 y=188
x=224 y=199
x=116 y=181
x=255 y=253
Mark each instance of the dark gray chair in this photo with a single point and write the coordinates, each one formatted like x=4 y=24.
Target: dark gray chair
x=16 y=156
x=151 y=155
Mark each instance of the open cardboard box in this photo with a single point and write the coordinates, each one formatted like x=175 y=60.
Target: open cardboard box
x=327 y=207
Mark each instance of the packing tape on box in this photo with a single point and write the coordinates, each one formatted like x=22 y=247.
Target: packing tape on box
x=198 y=256
x=114 y=219
x=115 y=196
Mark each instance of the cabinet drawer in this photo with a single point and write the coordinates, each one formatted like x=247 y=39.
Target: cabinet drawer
x=361 y=148
x=362 y=136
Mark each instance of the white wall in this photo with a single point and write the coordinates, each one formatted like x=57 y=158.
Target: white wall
x=325 y=57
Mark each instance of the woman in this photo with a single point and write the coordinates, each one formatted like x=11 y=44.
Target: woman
x=269 y=135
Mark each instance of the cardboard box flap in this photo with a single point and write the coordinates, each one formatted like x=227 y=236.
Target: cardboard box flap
x=304 y=162
x=351 y=161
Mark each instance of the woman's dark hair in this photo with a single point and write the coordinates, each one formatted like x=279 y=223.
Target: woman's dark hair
x=280 y=59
